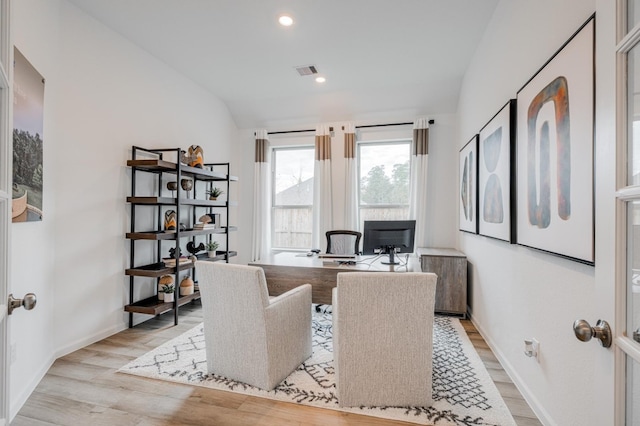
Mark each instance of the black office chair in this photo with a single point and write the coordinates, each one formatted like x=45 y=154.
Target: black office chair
x=343 y=242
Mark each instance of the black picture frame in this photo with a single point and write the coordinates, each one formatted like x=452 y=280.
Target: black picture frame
x=496 y=175
x=468 y=186
x=555 y=152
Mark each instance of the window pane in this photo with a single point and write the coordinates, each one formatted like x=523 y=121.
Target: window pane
x=292 y=198
x=633 y=273
x=633 y=64
x=633 y=392
x=383 y=172
x=293 y=176
x=633 y=13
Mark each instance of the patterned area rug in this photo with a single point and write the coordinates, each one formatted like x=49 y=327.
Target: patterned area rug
x=463 y=392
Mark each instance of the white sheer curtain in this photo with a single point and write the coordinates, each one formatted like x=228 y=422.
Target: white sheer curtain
x=418 y=195
x=351 y=179
x=322 y=193
x=261 y=198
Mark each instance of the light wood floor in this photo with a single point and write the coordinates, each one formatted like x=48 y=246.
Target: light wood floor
x=83 y=388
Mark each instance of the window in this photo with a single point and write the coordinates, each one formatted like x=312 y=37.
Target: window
x=383 y=174
x=292 y=197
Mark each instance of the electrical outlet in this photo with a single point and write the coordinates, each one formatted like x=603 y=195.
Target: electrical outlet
x=532 y=348
x=14 y=352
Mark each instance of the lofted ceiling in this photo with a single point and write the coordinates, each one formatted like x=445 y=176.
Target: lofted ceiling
x=380 y=57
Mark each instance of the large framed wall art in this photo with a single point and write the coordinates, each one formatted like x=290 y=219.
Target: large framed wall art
x=495 y=154
x=468 y=178
x=28 y=122
x=555 y=110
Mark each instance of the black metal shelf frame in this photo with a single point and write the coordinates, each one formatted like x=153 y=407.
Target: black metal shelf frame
x=210 y=175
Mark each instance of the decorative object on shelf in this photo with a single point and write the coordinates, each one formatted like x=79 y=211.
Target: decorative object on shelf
x=170 y=220
x=196 y=156
x=211 y=248
x=163 y=281
x=168 y=291
x=215 y=193
x=187 y=185
x=172 y=186
x=208 y=221
x=193 y=249
x=186 y=286
x=172 y=252
x=170 y=262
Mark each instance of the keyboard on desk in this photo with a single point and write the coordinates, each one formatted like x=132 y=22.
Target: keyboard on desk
x=331 y=256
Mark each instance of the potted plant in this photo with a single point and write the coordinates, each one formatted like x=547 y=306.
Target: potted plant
x=164 y=280
x=215 y=193
x=168 y=291
x=211 y=248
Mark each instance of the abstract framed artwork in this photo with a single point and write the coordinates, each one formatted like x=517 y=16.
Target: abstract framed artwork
x=495 y=154
x=468 y=178
x=555 y=190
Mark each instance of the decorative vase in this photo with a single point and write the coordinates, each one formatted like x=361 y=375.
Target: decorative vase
x=211 y=253
x=170 y=220
x=187 y=185
x=172 y=186
x=186 y=286
x=168 y=297
x=196 y=156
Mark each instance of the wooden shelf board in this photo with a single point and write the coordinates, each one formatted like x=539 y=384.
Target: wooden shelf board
x=153 y=306
x=155 y=270
x=152 y=200
x=163 y=235
x=220 y=255
x=158 y=166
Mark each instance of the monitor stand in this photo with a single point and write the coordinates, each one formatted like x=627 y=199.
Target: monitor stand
x=392 y=260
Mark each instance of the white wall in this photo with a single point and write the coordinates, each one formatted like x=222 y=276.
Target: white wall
x=443 y=151
x=518 y=293
x=102 y=95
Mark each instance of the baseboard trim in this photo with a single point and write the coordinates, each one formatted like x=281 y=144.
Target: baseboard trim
x=17 y=404
x=86 y=341
x=531 y=399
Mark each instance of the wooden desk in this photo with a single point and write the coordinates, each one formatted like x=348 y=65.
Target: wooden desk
x=287 y=270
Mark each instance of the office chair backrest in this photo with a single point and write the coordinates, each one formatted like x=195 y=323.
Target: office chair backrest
x=343 y=242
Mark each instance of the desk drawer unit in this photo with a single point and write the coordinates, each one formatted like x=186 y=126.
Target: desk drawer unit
x=451 y=267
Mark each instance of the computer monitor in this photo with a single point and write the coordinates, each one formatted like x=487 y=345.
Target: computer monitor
x=388 y=237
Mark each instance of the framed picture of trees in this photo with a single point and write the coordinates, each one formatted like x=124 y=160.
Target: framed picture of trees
x=28 y=100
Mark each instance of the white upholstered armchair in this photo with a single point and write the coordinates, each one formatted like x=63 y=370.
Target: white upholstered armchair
x=383 y=338
x=249 y=337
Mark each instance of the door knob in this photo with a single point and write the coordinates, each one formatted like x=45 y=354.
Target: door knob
x=29 y=302
x=601 y=331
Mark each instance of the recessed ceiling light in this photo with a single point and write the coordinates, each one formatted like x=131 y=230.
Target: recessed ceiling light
x=320 y=79
x=285 y=20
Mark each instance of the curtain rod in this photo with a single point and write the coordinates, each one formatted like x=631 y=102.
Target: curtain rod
x=282 y=132
x=389 y=124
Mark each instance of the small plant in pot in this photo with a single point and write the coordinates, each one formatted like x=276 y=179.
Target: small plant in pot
x=215 y=193
x=211 y=248
x=169 y=291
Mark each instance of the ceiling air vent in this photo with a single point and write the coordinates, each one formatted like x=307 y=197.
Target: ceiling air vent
x=307 y=70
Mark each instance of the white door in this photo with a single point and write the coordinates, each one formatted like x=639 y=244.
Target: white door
x=627 y=341
x=6 y=160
